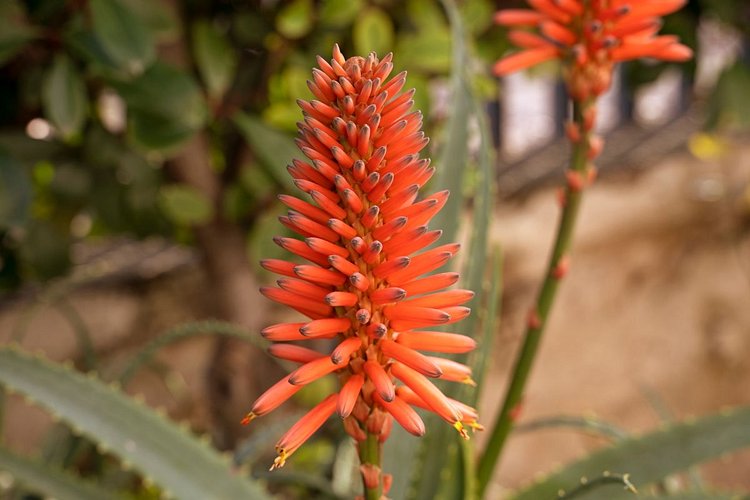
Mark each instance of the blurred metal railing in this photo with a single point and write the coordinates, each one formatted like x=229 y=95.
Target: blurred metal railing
x=639 y=127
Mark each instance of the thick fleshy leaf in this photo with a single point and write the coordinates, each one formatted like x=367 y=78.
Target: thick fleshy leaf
x=585 y=424
x=64 y=96
x=51 y=481
x=184 y=332
x=450 y=174
x=123 y=35
x=183 y=466
x=651 y=457
x=453 y=155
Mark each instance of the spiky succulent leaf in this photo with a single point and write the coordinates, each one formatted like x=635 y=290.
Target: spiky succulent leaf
x=184 y=332
x=448 y=465
x=651 y=457
x=50 y=481
x=183 y=466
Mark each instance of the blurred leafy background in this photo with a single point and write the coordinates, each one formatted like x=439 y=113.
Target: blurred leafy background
x=175 y=119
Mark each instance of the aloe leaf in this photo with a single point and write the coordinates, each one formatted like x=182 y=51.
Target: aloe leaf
x=51 y=481
x=183 y=332
x=438 y=473
x=475 y=266
x=306 y=479
x=162 y=452
x=274 y=149
x=453 y=157
x=83 y=336
x=479 y=358
x=651 y=457
x=588 y=424
x=588 y=485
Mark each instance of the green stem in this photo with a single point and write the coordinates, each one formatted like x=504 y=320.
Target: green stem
x=535 y=326
x=369 y=454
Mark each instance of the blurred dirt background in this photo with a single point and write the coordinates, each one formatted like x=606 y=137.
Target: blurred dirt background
x=653 y=314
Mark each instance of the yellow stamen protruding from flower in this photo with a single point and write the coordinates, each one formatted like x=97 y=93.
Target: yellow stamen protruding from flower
x=280 y=460
x=461 y=430
x=248 y=418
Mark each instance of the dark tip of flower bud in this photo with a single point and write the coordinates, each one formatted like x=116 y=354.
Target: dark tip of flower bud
x=363 y=316
x=609 y=42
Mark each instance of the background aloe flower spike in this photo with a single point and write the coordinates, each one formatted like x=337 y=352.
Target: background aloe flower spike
x=592 y=35
x=363 y=285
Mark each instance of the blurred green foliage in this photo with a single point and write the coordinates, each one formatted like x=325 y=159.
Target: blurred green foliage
x=122 y=86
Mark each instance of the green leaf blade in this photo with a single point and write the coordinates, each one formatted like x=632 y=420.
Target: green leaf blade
x=51 y=481
x=15 y=31
x=183 y=466
x=185 y=205
x=64 y=97
x=295 y=20
x=373 y=32
x=15 y=191
x=275 y=149
x=123 y=35
x=165 y=107
x=653 y=456
x=215 y=58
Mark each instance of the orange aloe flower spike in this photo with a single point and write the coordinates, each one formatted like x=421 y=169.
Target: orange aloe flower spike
x=360 y=218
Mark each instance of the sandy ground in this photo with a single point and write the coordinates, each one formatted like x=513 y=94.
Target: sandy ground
x=656 y=304
x=654 y=312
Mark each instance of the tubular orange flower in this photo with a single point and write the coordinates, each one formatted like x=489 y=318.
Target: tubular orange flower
x=592 y=35
x=362 y=284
